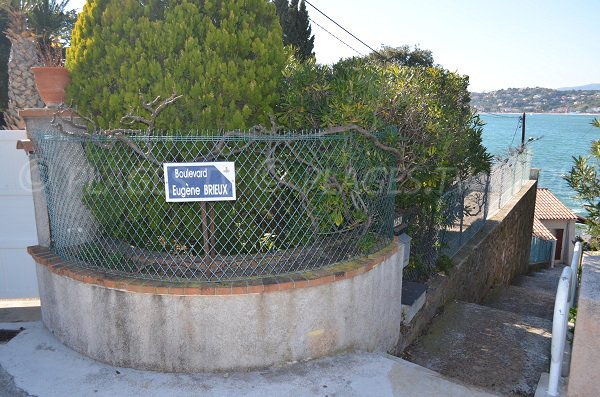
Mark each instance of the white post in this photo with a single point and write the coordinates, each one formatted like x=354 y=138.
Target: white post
x=574 y=268
x=559 y=330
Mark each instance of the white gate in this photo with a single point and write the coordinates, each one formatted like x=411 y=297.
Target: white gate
x=17 y=220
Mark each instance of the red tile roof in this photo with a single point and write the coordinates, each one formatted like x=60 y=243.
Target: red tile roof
x=547 y=207
x=541 y=231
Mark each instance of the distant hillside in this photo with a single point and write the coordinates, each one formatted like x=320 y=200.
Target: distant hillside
x=587 y=87
x=537 y=100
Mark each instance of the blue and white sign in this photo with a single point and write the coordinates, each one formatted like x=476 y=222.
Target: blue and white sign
x=199 y=181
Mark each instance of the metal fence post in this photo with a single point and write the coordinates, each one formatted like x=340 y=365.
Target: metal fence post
x=514 y=175
x=486 y=204
x=501 y=190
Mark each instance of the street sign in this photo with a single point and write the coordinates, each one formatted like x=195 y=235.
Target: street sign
x=199 y=181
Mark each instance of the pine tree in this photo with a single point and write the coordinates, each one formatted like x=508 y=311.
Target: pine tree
x=296 y=27
x=224 y=56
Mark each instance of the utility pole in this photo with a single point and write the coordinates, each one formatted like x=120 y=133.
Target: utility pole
x=523 y=130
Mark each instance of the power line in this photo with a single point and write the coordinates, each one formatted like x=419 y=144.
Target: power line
x=344 y=29
x=337 y=38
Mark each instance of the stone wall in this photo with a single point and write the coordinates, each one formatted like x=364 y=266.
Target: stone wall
x=492 y=258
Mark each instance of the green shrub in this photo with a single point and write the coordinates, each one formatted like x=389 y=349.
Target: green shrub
x=444 y=264
x=425 y=113
x=429 y=108
x=224 y=56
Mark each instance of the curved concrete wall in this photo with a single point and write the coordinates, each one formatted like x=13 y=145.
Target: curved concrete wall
x=191 y=333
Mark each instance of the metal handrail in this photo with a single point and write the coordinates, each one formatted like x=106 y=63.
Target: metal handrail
x=559 y=329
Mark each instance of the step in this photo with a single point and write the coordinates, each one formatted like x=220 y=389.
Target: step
x=523 y=300
x=413 y=299
x=19 y=314
x=546 y=280
x=499 y=351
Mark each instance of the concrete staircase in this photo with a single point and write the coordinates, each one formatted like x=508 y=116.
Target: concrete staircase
x=502 y=344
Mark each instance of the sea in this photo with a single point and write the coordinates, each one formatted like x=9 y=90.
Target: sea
x=554 y=140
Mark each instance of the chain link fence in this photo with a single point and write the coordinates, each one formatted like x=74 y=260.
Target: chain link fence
x=304 y=201
x=472 y=202
x=506 y=179
x=463 y=211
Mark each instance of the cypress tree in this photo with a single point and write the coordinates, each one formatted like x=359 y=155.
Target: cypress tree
x=296 y=27
x=304 y=39
x=224 y=56
x=282 y=7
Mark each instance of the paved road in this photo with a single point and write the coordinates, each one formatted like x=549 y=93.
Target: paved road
x=46 y=368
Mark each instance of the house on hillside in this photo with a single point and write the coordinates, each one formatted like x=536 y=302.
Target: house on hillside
x=554 y=222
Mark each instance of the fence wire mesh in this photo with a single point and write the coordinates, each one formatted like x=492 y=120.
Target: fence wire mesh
x=463 y=210
x=506 y=179
x=472 y=202
x=304 y=201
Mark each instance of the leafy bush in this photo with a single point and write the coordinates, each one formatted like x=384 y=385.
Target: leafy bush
x=584 y=179
x=425 y=112
x=226 y=56
x=444 y=264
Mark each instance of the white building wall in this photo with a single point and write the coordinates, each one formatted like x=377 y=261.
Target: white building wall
x=569 y=235
x=17 y=221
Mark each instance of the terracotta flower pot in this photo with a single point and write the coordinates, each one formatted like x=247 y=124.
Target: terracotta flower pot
x=51 y=82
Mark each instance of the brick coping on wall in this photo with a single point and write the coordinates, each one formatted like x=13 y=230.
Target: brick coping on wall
x=341 y=271
x=45 y=112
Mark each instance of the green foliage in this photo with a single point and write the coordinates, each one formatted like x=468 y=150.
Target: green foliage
x=316 y=202
x=295 y=24
x=584 y=178
x=367 y=242
x=224 y=56
x=50 y=21
x=573 y=315
x=444 y=264
x=429 y=108
x=403 y=56
x=423 y=113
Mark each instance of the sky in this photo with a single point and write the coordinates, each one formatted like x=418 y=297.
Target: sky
x=497 y=43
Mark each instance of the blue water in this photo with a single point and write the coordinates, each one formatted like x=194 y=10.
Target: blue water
x=563 y=136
